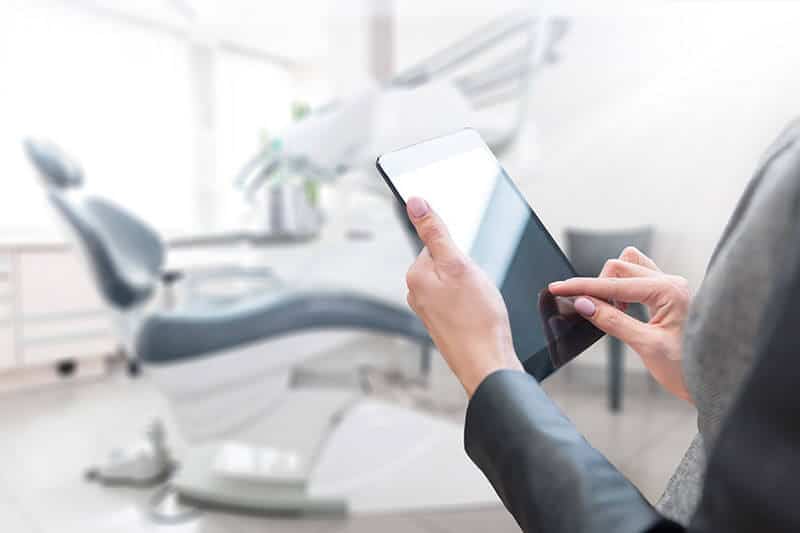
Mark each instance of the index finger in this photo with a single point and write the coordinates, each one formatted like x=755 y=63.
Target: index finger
x=628 y=290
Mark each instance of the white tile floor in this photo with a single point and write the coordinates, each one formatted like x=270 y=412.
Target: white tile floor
x=50 y=435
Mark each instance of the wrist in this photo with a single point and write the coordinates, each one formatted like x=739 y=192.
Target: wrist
x=472 y=380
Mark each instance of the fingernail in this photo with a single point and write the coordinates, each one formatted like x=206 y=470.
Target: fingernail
x=418 y=207
x=585 y=306
x=555 y=284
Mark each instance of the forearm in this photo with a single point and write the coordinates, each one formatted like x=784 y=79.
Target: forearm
x=547 y=475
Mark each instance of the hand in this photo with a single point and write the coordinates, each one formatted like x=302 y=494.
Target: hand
x=634 y=277
x=459 y=305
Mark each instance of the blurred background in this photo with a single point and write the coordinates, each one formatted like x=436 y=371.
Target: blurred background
x=202 y=301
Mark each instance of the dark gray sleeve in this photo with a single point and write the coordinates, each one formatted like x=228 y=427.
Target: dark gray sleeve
x=545 y=472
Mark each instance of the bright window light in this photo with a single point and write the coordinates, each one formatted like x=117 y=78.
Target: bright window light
x=112 y=94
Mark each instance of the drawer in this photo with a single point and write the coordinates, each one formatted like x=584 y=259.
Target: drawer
x=58 y=348
x=6 y=292
x=56 y=282
x=7 y=356
x=6 y=301
x=68 y=327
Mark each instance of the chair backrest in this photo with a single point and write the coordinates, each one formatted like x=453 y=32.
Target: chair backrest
x=588 y=250
x=56 y=168
x=124 y=254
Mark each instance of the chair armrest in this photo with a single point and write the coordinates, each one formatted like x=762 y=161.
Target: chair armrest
x=170 y=277
x=227 y=272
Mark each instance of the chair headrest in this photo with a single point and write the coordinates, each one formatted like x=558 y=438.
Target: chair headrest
x=56 y=168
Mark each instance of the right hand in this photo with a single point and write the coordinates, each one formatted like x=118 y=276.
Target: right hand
x=635 y=278
x=457 y=302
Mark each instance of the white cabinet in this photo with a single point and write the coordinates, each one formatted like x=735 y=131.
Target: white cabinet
x=49 y=308
x=7 y=348
x=54 y=283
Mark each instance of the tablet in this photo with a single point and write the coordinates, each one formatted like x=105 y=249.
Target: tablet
x=491 y=221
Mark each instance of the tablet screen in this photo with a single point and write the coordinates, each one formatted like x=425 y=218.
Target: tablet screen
x=491 y=221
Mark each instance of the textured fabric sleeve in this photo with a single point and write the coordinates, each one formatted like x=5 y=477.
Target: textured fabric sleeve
x=753 y=475
x=547 y=475
x=679 y=500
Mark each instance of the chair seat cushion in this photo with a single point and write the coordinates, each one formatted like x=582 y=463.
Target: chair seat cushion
x=175 y=336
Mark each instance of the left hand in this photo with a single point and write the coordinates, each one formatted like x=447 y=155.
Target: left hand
x=635 y=278
x=459 y=305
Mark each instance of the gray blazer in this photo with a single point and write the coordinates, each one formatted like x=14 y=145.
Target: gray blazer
x=722 y=328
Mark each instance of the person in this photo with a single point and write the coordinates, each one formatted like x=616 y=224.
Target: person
x=733 y=350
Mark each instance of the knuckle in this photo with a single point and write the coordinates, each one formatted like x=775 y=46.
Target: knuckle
x=630 y=253
x=431 y=232
x=682 y=291
x=413 y=278
x=454 y=266
x=610 y=267
x=678 y=284
x=608 y=320
x=615 y=268
x=672 y=290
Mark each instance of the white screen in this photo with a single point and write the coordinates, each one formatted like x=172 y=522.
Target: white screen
x=457 y=188
x=463 y=190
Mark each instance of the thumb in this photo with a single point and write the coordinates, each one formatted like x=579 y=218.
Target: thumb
x=431 y=230
x=611 y=320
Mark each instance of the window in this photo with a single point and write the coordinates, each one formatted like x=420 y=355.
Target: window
x=122 y=99
x=114 y=95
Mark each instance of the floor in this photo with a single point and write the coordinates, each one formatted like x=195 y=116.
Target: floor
x=49 y=435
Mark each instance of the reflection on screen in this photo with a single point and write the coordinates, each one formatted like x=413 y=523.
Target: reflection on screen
x=489 y=220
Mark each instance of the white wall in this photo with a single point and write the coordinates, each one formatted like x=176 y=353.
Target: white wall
x=654 y=116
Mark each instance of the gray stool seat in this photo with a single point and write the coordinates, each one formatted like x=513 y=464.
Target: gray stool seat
x=588 y=250
x=169 y=337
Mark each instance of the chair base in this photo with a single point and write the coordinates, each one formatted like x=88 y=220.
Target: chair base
x=362 y=457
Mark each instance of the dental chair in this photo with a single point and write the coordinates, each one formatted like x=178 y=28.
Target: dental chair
x=257 y=443
x=143 y=249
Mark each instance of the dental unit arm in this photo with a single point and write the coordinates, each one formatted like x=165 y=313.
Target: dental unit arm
x=349 y=134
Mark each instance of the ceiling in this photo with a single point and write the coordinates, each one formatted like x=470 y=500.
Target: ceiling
x=291 y=31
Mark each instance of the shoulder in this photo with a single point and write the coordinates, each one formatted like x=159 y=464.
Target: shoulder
x=776 y=183
x=787 y=140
